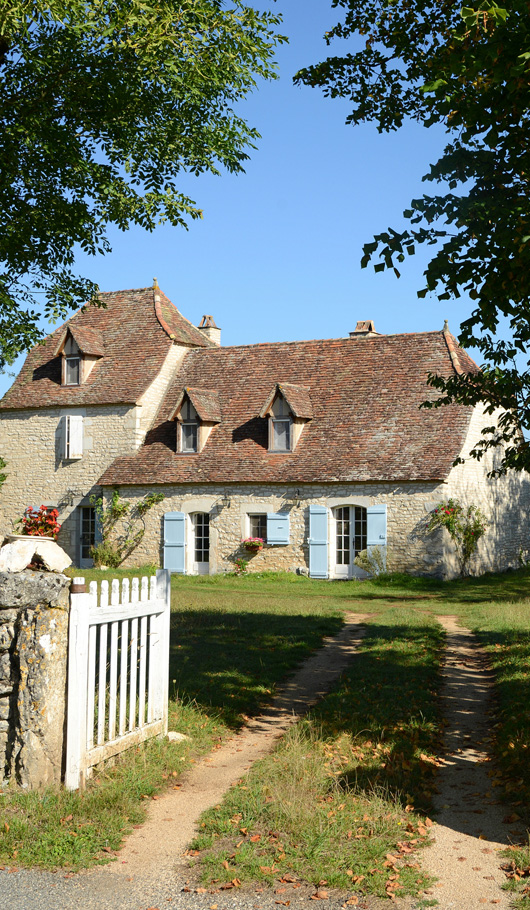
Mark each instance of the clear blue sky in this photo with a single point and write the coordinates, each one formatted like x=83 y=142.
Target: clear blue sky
x=276 y=256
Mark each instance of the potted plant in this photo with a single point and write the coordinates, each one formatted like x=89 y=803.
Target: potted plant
x=253 y=544
x=39 y=523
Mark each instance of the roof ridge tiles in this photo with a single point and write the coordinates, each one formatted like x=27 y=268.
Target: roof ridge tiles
x=158 y=313
x=124 y=291
x=341 y=339
x=454 y=349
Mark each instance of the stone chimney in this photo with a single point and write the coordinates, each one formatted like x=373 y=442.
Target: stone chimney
x=208 y=327
x=364 y=329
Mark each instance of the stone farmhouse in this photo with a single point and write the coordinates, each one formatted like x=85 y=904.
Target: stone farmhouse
x=318 y=447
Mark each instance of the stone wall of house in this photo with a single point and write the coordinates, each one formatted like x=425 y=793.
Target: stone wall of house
x=505 y=501
x=408 y=506
x=32 y=442
x=34 y=609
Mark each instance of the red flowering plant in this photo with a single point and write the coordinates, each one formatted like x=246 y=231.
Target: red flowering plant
x=253 y=544
x=465 y=525
x=40 y=522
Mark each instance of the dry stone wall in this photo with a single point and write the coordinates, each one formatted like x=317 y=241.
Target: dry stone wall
x=34 y=611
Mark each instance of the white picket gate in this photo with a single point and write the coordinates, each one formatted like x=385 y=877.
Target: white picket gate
x=118 y=669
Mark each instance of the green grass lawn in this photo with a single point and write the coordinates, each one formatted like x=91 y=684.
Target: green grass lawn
x=371 y=744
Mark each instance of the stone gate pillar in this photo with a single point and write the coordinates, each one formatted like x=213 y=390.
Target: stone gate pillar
x=34 y=610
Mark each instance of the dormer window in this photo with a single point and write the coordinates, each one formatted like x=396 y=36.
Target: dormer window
x=280 y=426
x=79 y=348
x=288 y=409
x=189 y=429
x=197 y=411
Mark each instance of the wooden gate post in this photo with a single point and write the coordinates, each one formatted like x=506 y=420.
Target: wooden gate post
x=77 y=690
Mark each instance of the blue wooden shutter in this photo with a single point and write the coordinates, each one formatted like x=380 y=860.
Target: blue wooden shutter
x=318 y=541
x=277 y=528
x=175 y=542
x=376 y=526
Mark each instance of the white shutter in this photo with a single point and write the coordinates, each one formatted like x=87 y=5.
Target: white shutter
x=73 y=436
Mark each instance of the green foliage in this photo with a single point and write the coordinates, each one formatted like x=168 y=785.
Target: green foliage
x=465 y=525
x=373 y=560
x=121 y=527
x=104 y=104
x=3 y=476
x=240 y=566
x=466 y=69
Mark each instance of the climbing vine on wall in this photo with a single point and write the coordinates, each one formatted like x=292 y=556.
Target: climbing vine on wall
x=465 y=525
x=121 y=526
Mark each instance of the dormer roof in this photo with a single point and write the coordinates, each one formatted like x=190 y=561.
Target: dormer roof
x=205 y=401
x=88 y=340
x=297 y=398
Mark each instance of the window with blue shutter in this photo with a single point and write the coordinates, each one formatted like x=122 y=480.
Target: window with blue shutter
x=376 y=526
x=318 y=541
x=175 y=542
x=277 y=528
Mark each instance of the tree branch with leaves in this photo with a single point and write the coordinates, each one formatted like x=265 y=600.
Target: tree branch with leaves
x=104 y=106
x=467 y=69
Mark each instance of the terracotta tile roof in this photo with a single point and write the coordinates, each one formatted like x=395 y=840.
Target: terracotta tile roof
x=136 y=342
x=205 y=402
x=297 y=397
x=366 y=426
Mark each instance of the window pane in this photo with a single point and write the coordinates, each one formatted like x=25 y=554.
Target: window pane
x=258 y=526
x=360 y=540
x=88 y=530
x=201 y=525
x=72 y=371
x=189 y=437
x=281 y=435
x=342 y=519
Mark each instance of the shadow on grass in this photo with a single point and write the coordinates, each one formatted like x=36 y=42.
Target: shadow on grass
x=509 y=653
x=232 y=662
x=387 y=706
